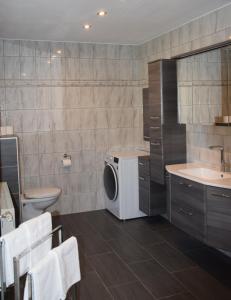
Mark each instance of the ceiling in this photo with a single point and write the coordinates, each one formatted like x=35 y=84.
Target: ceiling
x=127 y=22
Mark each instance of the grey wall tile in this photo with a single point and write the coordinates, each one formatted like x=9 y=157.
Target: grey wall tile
x=11 y=48
x=27 y=48
x=12 y=67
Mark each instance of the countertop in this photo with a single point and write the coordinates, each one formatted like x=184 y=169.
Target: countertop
x=222 y=183
x=129 y=153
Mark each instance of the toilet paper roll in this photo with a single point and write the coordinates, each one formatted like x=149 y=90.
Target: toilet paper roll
x=66 y=162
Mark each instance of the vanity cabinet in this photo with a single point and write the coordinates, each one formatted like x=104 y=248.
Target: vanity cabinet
x=167 y=137
x=202 y=211
x=151 y=195
x=219 y=218
x=188 y=206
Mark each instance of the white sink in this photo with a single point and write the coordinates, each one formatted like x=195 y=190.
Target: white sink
x=204 y=173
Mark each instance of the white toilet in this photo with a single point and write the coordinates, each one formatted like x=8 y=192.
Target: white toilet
x=35 y=201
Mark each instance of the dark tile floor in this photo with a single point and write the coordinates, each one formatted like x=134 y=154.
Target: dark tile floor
x=144 y=259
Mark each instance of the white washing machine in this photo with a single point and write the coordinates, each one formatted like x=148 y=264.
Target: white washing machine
x=121 y=184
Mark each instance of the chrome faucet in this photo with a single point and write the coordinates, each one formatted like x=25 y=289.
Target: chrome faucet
x=221 y=149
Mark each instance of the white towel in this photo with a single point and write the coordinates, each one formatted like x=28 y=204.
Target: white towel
x=68 y=256
x=14 y=243
x=46 y=279
x=36 y=229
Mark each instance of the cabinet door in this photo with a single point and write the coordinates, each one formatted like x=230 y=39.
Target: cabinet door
x=219 y=218
x=144 y=193
x=146 y=117
x=188 y=206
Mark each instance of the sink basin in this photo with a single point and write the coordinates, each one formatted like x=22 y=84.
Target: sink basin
x=204 y=173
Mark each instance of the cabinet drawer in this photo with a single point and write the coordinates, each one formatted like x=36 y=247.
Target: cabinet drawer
x=189 y=219
x=188 y=192
x=156 y=147
x=144 y=166
x=144 y=181
x=155 y=132
x=219 y=230
x=219 y=200
x=157 y=170
x=154 y=120
x=144 y=200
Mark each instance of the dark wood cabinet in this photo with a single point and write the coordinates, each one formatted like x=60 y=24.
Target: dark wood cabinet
x=188 y=206
x=200 y=210
x=146 y=115
x=167 y=137
x=151 y=194
x=219 y=218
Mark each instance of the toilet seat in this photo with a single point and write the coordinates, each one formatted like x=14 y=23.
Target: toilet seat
x=42 y=193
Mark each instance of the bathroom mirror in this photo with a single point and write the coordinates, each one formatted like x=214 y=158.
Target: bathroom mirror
x=204 y=87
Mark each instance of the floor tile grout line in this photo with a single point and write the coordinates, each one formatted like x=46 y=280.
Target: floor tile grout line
x=138 y=279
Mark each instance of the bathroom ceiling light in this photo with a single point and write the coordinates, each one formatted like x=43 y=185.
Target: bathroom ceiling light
x=87 y=26
x=59 y=51
x=102 y=13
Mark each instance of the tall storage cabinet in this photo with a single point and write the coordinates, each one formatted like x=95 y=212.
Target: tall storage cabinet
x=167 y=137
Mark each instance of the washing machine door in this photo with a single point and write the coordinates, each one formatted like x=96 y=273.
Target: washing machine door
x=110 y=182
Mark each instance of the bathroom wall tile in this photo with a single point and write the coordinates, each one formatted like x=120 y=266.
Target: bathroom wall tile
x=87 y=119
x=101 y=116
x=2 y=99
x=87 y=181
x=1 y=67
x=27 y=48
x=27 y=67
x=113 y=51
x=43 y=68
x=43 y=49
x=1 y=47
x=11 y=48
x=125 y=52
x=102 y=139
x=86 y=69
x=58 y=97
x=20 y=98
x=88 y=139
x=31 y=165
x=72 y=69
x=58 y=68
x=46 y=142
x=12 y=67
x=44 y=120
x=86 y=201
x=31 y=182
x=73 y=141
x=101 y=96
x=43 y=97
x=71 y=50
x=73 y=119
x=72 y=97
x=126 y=70
x=86 y=50
x=113 y=69
x=29 y=120
x=86 y=97
x=58 y=118
x=100 y=51
x=100 y=69
x=57 y=49
x=30 y=143
x=13 y=118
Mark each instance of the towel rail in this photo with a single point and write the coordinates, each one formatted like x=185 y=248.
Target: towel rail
x=16 y=262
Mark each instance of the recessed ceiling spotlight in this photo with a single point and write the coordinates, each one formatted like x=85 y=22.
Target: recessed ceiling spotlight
x=59 y=51
x=102 y=13
x=87 y=26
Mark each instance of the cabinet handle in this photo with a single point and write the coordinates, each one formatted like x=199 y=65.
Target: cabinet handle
x=185 y=184
x=155 y=144
x=146 y=137
x=182 y=211
x=154 y=118
x=154 y=127
x=141 y=178
x=221 y=195
x=141 y=164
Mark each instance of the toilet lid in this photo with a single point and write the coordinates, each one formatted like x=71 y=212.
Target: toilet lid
x=40 y=193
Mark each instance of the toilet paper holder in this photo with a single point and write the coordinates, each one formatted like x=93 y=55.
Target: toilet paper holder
x=66 y=156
